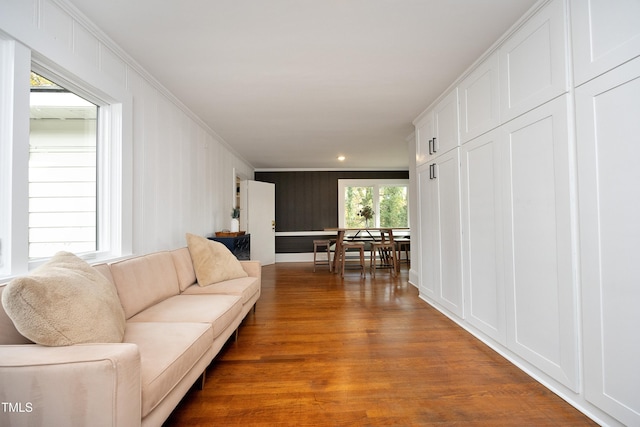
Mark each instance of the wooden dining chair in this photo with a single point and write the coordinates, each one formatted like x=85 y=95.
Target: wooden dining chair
x=385 y=250
x=352 y=246
x=325 y=246
x=403 y=245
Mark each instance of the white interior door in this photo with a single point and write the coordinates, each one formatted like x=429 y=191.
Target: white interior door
x=260 y=210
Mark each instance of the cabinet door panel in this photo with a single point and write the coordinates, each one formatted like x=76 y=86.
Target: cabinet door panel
x=429 y=233
x=609 y=177
x=447 y=181
x=605 y=34
x=541 y=284
x=480 y=100
x=445 y=122
x=482 y=231
x=533 y=62
x=424 y=136
x=441 y=258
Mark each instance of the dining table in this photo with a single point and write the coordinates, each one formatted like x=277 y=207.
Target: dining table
x=361 y=234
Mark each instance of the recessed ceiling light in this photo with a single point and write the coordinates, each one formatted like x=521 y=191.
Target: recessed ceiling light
x=341 y=158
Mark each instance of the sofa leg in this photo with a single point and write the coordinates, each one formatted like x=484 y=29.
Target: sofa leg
x=202 y=379
x=236 y=339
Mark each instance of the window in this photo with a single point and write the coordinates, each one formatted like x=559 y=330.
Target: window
x=387 y=199
x=62 y=170
x=65 y=161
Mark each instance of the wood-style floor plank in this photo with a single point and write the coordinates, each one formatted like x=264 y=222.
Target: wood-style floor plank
x=326 y=351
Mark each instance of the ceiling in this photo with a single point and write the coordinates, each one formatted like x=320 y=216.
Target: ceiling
x=295 y=83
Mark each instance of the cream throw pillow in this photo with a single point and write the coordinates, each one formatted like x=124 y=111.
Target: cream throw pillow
x=64 y=302
x=212 y=261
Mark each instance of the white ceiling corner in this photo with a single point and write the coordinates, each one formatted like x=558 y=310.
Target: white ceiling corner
x=295 y=83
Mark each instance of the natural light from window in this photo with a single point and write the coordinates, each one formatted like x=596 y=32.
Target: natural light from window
x=62 y=171
x=386 y=199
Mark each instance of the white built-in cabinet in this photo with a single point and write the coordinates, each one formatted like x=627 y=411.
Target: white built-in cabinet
x=481 y=200
x=606 y=54
x=439 y=211
x=438 y=160
x=516 y=230
x=518 y=248
x=608 y=135
x=547 y=205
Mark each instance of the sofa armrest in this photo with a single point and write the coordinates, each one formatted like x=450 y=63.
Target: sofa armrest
x=253 y=268
x=87 y=384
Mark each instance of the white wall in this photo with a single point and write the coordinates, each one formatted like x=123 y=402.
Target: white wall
x=414 y=278
x=181 y=172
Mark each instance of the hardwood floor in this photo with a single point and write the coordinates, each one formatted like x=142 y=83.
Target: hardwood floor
x=323 y=351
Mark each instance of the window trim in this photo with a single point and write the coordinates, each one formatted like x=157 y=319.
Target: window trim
x=103 y=146
x=14 y=96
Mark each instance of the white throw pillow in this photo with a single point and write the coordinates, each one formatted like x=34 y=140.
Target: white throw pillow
x=212 y=261
x=64 y=302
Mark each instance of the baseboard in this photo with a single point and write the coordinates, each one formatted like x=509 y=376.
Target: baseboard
x=298 y=257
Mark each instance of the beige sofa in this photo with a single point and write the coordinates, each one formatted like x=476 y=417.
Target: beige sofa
x=174 y=329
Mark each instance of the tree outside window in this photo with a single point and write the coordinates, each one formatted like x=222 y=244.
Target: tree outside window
x=393 y=206
x=355 y=199
x=387 y=199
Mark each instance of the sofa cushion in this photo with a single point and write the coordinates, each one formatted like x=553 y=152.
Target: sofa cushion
x=244 y=287
x=167 y=352
x=144 y=281
x=212 y=261
x=8 y=332
x=105 y=270
x=64 y=302
x=218 y=310
x=184 y=267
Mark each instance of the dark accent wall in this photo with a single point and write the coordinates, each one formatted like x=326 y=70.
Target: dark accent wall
x=308 y=201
